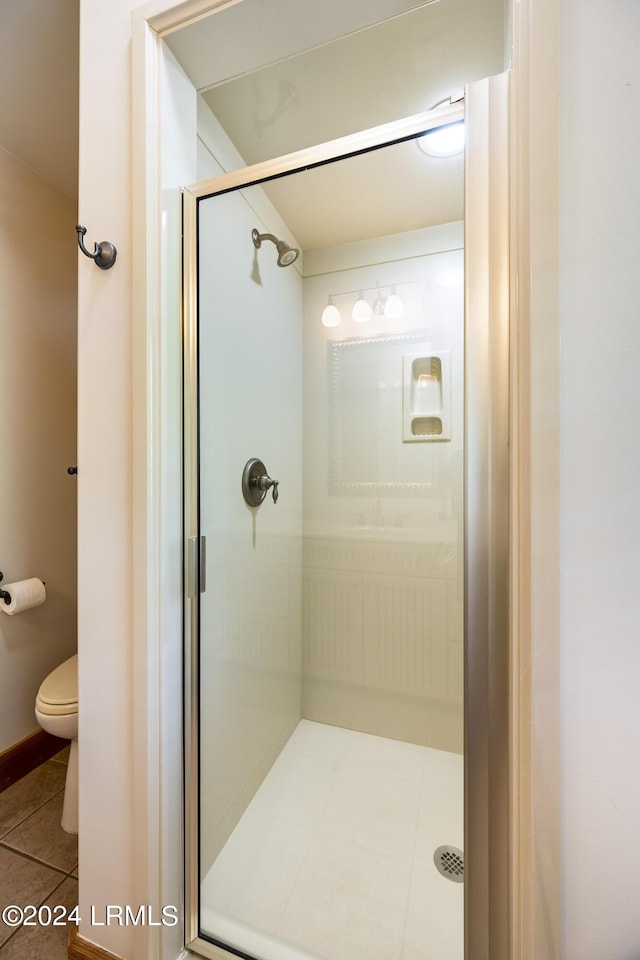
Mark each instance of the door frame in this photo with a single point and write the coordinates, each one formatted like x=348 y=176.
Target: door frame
x=534 y=709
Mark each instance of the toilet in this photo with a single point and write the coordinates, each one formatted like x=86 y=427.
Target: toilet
x=57 y=713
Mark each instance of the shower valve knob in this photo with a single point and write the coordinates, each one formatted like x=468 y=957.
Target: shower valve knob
x=256 y=482
x=265 y=483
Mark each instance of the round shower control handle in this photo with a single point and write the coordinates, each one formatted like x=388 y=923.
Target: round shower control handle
x=256 y=482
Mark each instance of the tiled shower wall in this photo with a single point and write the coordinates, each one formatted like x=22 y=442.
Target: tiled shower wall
x=382 y=548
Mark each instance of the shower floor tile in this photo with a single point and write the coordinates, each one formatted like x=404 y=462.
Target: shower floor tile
x=334 y=855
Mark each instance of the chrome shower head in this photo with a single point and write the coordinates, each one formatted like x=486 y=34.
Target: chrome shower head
x=286 y=254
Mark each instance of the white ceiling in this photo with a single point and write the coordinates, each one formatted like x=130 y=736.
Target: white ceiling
x=251 y=34
x=271 y=101
x=39 y=82
x=377 y=194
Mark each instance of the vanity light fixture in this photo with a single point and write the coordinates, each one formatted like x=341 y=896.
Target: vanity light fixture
x=391 y=306
x=378 y=305
x=394 y=307
x=361 y=310
x=331 y=315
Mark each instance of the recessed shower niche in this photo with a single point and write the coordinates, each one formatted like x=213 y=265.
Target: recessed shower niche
x=426 y=397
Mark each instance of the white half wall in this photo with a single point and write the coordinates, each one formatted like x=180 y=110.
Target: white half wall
x=38 y=425
x=600 y=315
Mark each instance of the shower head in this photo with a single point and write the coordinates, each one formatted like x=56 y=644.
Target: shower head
x=286 y=254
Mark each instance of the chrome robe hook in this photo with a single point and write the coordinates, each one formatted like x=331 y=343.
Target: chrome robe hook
x=104 y=254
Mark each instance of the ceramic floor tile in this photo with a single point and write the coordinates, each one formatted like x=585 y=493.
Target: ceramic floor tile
x=44 y=942
x=348 y=903
x=373 y=810
x=23 y=882
x=435 y=917
x=324 y=854
x=369 y=754
x=297 y=788
x=444 y=770
x=440 y=821
x=41 y=836
x=254 y=873
x=320 y=740
x=25 y=796
x=62 y=756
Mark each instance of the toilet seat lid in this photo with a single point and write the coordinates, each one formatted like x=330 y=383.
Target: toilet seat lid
x=58 y=692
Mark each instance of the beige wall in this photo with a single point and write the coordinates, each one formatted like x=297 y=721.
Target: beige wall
x=38 y=429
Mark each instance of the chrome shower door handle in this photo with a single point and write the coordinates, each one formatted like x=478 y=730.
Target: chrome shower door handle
x=256 y=482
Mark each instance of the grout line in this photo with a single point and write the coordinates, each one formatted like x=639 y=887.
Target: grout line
x=45 y=898
x=30 y=856
x=63 y=874
x=35 y=810
x=9 y=938
x=57 y=887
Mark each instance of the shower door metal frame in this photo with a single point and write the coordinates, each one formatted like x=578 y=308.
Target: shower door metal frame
x=481 y=884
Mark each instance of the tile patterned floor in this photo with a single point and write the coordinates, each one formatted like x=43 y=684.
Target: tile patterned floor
x=334 y=856
x=38 y=860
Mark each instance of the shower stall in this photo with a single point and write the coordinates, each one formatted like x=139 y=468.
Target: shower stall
x=329 y=459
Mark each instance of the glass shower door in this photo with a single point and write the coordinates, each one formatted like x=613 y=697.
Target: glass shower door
x=329 y=629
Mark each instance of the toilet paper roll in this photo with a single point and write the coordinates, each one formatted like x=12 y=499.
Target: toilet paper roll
x=24 y=595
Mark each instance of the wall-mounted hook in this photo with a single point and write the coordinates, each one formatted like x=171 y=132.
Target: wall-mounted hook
x=104 y=254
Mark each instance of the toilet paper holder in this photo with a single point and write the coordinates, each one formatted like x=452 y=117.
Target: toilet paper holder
x=4 y=594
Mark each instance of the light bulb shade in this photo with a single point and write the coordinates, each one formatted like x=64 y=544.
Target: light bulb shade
x=361 y=311
x=394 y=307
x=331 y=316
